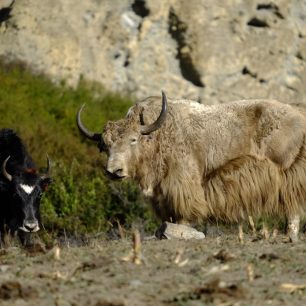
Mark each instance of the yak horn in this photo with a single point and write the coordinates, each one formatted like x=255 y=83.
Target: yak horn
x=5 y=173
x=159 y=121
x=90 y=135
x=48 y=170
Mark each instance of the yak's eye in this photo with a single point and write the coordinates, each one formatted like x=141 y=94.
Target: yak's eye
x=133 y=140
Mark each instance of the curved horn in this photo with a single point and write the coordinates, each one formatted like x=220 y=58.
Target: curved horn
x=90 y=135
x=5 y=173
x=159 y=121
x=48 y=170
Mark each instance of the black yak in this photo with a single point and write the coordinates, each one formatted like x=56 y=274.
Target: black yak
x=21 y=188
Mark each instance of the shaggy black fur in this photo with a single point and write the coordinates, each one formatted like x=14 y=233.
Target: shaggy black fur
x=18 y=208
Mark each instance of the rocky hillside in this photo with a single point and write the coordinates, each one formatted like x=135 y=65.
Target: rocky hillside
x=209 y=50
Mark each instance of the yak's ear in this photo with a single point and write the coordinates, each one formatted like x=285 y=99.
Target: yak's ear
x=45 y=182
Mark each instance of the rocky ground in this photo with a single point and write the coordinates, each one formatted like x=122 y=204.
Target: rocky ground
x=213 y=271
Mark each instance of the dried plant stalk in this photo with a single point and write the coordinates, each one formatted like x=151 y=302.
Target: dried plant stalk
x=250 y=272
x=292 y=287
x=57 y=253
x=135 y=255
x=121 y=230
x=137 y=247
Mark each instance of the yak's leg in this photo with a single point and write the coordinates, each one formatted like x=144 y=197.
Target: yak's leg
x=252 y=225
x=265 y=231
x=293 y=228
x=240 y=233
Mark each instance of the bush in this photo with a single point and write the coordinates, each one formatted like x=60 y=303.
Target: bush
x=80 y=200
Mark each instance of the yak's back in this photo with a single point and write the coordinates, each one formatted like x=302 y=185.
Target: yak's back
x=177 y=109
x=11 y=145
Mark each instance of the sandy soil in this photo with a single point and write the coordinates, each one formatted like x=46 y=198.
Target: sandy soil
x=213 y=271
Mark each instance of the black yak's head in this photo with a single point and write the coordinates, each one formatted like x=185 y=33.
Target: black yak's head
x=24 y=191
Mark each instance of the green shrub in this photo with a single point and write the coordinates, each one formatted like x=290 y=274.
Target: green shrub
x=81 y=200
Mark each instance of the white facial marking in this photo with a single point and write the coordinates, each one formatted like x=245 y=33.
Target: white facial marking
x=26 y=188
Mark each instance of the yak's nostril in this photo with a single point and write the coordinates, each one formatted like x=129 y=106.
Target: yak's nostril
x=115 y=174
x=30 y=226
x=118 y=172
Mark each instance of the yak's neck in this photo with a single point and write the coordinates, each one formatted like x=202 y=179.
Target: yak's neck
x=153 y=168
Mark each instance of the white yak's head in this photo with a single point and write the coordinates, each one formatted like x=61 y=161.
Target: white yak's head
x=123 y=140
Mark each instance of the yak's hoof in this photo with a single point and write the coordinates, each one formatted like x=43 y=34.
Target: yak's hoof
x=293 y=238
x=178 y=231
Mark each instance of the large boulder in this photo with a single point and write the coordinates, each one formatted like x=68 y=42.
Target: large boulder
x=212 y=51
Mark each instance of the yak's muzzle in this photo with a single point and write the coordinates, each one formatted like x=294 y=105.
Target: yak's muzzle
x=31 y=226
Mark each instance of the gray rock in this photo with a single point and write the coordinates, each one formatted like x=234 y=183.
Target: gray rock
x=212 y=51
x=5 y=4
x=170 y=230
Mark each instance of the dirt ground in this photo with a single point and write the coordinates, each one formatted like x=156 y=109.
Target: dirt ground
x=213 y=271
